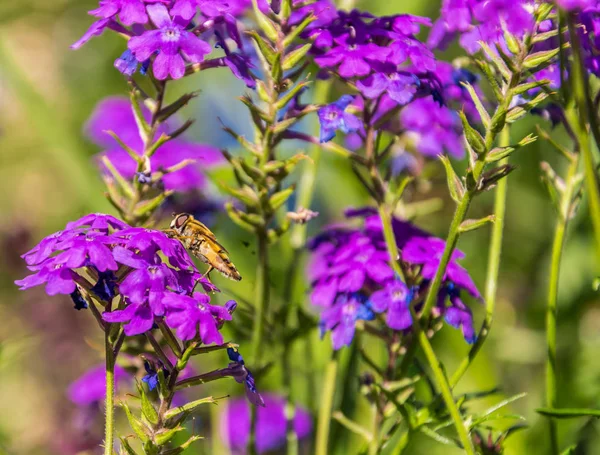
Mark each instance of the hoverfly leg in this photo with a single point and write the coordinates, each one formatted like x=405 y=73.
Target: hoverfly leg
x=206 y=275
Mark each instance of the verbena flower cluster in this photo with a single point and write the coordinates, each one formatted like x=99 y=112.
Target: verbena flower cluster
x=101 y=256
x=352 y=278
x=172 y=35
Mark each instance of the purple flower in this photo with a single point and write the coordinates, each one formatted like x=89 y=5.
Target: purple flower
x=270 y=424
x=195 y=316
x=90 y=389
x=173 y=43
x=332 y=118
x=241 y=374
x=400 y=87
x=129 y=11
x=352 y=279
x=115 y=114
x=477 y=20
x=84 y=243
x=395 y=298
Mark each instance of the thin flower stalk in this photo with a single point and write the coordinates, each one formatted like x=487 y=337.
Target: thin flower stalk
x=493 y=266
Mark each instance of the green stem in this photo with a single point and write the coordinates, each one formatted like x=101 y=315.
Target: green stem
x=390 y=240
x=444 y=387
x=493 y=267
x=327 y=395
x=375 y=430
x=261 y=310
x=109 y=421
x=580 y=85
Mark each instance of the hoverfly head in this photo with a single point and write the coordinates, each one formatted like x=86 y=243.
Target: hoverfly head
x=179 y=221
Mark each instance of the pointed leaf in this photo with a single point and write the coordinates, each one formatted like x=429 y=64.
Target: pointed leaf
x=472 y=136
x=265 y=24
x=455 y=186
x=127 y=447
x=291 y=37
x=568 y=413
x=164 y=436
x=538 y=58
x=280 y=198
x=471 y=225
x=483 y=114
x=294 y=57
x=138 y=427
x=148 y=410
x=263 y=47
x=353 y=426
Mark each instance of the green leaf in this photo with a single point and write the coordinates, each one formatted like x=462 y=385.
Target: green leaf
x=285 y=99
x=352 y=426
x=245 y=194
x=491 y=177
x=568 y=413
x=127 y=447
x=148 y=207
x=182 y=447
x=485 y=117
x=124 y=185
x=138 y=427
x=134 y=156
x=143 y=127
x=488 y=72
x=519 y=111
x=471 y=225
x=148 y=410
x=498 y=62
x=280 y=198
x=438 y=437
x=538 y=58
x=242 y=141
x=164 y=436
x=291 y=37
x=175 y=106
x=512 y=43
x=472 y=136
x=503 y=404
x=554 y=185
x=262 y=91
x=263 y=47
x=276 y=69
x=286 y=9
x=240 y=218
x=522 y=88
x=189 y=406
x=455 y=186
x=498 y=153
x=294 y=57
x=265 y=24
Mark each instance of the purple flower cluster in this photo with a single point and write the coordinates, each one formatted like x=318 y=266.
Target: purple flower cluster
x=115 y=114
x=169 y=34
x=481 y=20
x=270 y=424
x=373 y=52
x=430 y=122
x=589 y=35
x=352 y=279
x=436 y=127
x=125 y=261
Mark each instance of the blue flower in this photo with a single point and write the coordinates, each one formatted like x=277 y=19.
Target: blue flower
x=332 y=118
x=106 y=285
x=152 y=377
x=78 y=300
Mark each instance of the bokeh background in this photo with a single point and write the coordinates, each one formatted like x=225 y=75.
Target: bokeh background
x=47 y=177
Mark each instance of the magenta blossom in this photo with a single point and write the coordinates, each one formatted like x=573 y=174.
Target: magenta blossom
x=173 y=43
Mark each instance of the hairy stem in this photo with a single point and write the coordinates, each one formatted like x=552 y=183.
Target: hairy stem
x=109 y=421
x=327 y=395
x=493 y=267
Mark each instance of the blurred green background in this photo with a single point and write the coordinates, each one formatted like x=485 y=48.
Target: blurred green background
x=47 y=178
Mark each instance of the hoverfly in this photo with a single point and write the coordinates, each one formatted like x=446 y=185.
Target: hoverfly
x=203 y=244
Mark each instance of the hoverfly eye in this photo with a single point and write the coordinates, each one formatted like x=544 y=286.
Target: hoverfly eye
x=180 y=221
